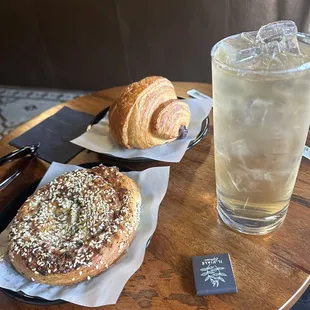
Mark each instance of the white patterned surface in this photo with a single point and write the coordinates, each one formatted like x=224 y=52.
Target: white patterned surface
x=18 y=105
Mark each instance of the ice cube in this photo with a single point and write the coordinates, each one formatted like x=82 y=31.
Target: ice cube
x=279 y=37
x=240 y=149
x=247 y=54
x=249 y=36
x=257 y=112
x=237 y=51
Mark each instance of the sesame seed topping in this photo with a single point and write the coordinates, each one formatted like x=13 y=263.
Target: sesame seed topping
x=73 y=279
x=88 y=278
x=32 y=279
x=70 y=220
x=81 y=273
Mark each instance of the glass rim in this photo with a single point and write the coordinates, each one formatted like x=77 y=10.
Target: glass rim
x=260 y=72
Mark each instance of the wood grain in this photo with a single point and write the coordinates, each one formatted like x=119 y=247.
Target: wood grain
x=271 y=271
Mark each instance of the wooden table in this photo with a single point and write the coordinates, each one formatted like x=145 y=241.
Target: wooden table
x=271 y=271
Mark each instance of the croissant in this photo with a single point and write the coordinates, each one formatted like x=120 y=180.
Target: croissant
x=147 y=114
x=75 y=227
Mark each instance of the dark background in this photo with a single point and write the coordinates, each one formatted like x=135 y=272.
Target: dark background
x=95 y=44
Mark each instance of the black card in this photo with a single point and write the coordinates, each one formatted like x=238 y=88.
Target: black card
x=55 y=134
x=213 y=274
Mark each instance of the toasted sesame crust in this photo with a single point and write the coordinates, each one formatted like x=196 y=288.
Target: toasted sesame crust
x=75 y=227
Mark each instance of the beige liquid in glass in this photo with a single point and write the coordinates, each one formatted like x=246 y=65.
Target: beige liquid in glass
x=261 y=121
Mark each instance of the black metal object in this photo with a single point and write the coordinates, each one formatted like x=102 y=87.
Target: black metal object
x=32 y=300
x=27 y=153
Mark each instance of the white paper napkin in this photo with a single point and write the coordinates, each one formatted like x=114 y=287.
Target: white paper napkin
x=99 y=139
x=105 y=288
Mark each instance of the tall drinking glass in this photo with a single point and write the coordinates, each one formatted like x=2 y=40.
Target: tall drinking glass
x=261 y=93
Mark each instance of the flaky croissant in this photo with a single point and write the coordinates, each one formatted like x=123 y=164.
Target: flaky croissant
x=147 y=114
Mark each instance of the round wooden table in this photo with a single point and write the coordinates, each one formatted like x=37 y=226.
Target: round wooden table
x=271 y=271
